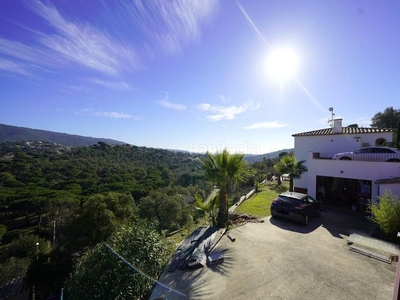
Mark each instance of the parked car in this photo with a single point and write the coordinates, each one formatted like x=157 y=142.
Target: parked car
x=296 y=206
x=371 y=154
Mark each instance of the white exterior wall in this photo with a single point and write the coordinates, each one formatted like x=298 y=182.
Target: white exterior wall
x=351 y=169
x=391 y=186
x=333 y=143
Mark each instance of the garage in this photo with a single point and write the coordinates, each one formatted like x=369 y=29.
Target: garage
x=346 y=193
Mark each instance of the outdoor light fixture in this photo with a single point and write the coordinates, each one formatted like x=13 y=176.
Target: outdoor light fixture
x=37 y=250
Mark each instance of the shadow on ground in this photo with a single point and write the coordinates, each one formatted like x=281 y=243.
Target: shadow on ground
x=338 y=223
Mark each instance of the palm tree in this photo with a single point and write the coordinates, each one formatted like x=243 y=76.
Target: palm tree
x=224 y=169
x=289 y=165
x=209 y=208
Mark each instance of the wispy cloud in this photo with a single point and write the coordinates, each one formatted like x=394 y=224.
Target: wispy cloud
x=136 y=30
x=107 y=114
x=116 y=115
x=218 y=113
x=70 y=41
x=224 y=99
x=266 y=125
x=109 y=84
x=171 y=105
x=22 y=52
x=169 y=24
x=14 y=68
x=168 y=104
x=83 y=43
x=83 y=89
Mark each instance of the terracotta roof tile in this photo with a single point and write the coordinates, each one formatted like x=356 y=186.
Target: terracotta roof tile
x=345 y=130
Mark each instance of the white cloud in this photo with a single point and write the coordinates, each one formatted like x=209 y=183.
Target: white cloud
x=263 y=125
x=71 y=42
x=110 y=84
x=68 y=40
x=218 y=113
x=84 y=44
x=14 y=68
x=168 y=104
x=116 y=115
x=224 y=99
x=172 y=105
x=80 y=89
x=169 y=23
x=21 y=52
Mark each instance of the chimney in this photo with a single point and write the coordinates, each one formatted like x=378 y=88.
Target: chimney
x=337 y=126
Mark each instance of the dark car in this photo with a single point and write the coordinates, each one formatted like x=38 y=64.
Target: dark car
x=295 y=206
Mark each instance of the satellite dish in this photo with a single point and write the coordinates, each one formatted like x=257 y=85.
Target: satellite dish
x=330 y=108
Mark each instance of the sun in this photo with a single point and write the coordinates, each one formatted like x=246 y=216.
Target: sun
x=282 y=63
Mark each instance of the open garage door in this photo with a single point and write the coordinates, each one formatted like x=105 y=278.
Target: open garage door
x=347 y=193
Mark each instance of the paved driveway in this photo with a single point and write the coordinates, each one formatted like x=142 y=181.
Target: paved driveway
x=283 y=260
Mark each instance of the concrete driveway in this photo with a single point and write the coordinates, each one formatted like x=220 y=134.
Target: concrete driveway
x=280 y=259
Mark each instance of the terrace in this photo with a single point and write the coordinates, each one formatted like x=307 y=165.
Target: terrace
x=377 y=157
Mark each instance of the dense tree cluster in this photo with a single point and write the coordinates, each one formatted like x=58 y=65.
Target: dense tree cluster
x=389 y=118
x=132 y=251
x=58 y=205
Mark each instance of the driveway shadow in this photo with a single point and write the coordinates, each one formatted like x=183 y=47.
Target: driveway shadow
x=338 y=223
x=288 y=224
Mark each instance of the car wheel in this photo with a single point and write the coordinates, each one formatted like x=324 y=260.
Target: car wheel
x=306 y=220
x=393 y=160
x=318 y=212
x=345 y=158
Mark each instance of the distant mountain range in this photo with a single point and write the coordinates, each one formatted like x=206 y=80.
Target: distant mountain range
x=251 y=158
x=10 y=133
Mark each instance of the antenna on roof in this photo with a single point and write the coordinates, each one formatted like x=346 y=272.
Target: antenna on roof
x=332 y=116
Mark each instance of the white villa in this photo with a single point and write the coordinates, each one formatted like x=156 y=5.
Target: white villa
x=346 y=183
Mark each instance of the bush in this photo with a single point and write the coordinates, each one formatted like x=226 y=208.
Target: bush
x=13 y=268
x=386 y=213
x=3 y=230
x=101 y=274
x=25 y=246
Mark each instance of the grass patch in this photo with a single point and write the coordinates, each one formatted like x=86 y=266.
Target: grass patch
x=259 y=205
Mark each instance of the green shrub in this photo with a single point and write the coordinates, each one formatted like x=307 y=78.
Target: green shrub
x=386 y=213
x=100 y=274
x=13 y=268
x=3 y=230
x=25 y=246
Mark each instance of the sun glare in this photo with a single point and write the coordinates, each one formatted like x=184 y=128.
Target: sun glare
x=282 y=64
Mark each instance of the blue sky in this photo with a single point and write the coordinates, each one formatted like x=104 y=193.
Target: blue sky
x=195 y=75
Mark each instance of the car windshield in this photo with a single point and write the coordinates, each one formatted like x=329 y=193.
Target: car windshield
x=289 y=198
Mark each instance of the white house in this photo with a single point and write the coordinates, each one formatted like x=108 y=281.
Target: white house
x=346 y=183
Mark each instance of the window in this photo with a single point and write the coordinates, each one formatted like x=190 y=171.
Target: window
x=382 y=150
x=309 y=199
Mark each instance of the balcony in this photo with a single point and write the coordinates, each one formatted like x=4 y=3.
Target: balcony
x=373 y=157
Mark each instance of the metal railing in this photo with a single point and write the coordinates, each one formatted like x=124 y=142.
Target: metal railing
x=377 y=157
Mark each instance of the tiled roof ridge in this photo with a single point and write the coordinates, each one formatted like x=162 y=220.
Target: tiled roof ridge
x=345 y=130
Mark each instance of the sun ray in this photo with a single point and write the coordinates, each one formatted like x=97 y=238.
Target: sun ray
x=285 y=68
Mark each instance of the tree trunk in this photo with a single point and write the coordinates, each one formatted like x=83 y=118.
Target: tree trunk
x=223 y=208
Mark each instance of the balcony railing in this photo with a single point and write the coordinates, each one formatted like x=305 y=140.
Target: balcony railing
x=376 y=157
